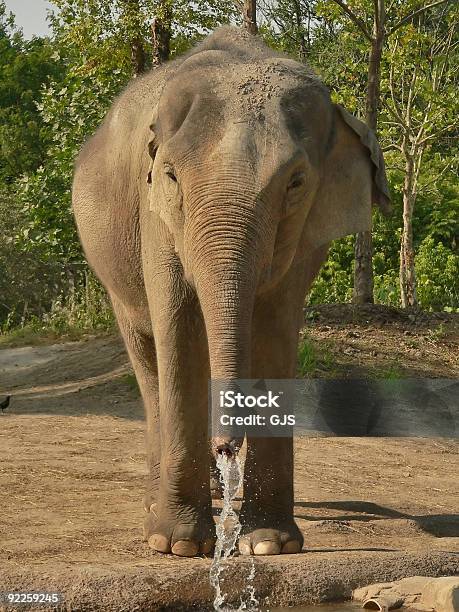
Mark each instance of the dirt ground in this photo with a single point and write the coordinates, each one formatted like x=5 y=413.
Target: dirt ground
x=72 y=471
x=382 y=342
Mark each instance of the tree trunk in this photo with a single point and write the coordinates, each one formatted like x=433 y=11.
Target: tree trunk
x=249 y=11
x=161 y=33
x=138 y=58
x=299 y=24
x=407 y=268
x=363 y=273
x=374 y=81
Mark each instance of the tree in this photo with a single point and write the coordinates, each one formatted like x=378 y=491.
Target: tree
x=337 y=50
x=422 y=103
x=25 y=66
x=161 y=32
x=384 y=24
x=293 y=25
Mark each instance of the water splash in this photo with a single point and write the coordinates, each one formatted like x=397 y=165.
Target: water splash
x=228 y=530
x=251 y=603
x=228 y=527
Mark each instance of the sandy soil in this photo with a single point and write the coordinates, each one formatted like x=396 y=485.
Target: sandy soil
x=72 y=471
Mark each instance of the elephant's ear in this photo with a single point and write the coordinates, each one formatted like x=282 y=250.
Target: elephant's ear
x=353 y=178
x=152 y=145
x=380 y=193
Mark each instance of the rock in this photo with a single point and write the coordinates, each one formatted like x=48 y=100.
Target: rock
x=442 y=594
x=418 y=593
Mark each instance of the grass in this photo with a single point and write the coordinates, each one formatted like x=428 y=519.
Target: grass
x=33 y=335
x=313 y=359
x=82 y=311
x=40 y=332
x=130 y=381
x=438 y=333
x=307 y=357
x=392 y=372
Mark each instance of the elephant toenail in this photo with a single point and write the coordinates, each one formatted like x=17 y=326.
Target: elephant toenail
x=290 y=548
x=267 y=548
x=185 y=548
x=159 y=543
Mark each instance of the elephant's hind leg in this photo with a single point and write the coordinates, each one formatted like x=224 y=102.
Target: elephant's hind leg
x=141 y=349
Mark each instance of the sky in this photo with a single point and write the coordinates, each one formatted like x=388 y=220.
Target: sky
x=30 y=16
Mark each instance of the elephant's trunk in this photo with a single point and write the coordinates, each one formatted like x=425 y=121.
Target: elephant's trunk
x=226 y=272
x=227 y=309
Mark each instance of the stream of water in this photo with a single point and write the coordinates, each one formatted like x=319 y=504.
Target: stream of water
x=228 y=530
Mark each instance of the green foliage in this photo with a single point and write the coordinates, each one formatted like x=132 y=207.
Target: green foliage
x=71 y=110
x=78 y=308
x=55 y=91
x=102 y=30
x=334 y=282
x=23 y=274
x=83 y=307
x=437 y=270
x=24 y=67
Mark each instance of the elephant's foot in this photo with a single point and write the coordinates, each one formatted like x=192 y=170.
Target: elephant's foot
x=269 y=536
x=180 y=536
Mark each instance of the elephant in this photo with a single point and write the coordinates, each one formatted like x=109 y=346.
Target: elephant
x=205 y=203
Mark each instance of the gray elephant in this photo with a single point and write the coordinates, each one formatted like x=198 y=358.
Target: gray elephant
x=205 y=203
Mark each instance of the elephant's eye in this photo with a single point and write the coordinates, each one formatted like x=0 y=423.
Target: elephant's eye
x=171 y=174
x=297 y=181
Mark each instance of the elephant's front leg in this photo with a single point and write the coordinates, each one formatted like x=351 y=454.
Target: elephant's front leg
x=267 y=517
x=182 y=522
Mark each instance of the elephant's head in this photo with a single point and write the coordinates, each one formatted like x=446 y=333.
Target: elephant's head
x=254 y=167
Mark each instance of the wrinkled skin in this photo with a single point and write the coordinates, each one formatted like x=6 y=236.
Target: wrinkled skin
x=205 y=203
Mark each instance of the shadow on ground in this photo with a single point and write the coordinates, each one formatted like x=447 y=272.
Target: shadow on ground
x=439 y=525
